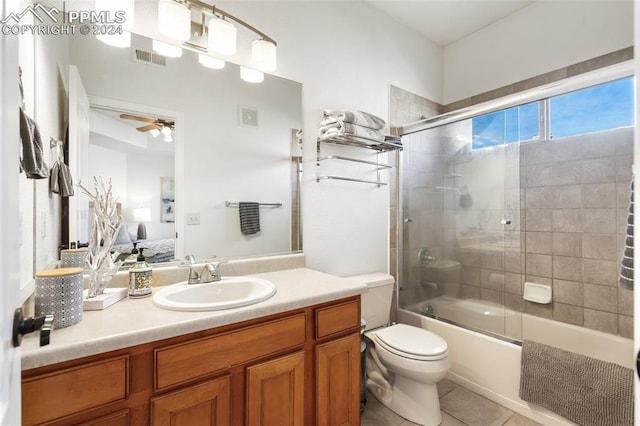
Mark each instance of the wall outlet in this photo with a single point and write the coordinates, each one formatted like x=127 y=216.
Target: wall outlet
x=193 y=218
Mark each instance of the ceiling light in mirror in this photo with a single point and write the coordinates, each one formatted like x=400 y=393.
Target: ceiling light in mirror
x=154 y=132
x=166 y=49
x=117 y=9
x=116 y=40
x=263 y=55
x=174 y=19
x=210 y=62
x=222 y=36
x=251 y=76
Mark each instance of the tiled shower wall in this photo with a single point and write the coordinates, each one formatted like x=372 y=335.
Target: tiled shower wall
x=575 y=198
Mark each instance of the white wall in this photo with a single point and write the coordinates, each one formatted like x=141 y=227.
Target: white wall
x=543 y=37
x=346 y=54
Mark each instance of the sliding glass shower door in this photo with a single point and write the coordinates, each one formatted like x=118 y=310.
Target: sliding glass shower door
x=460 y=228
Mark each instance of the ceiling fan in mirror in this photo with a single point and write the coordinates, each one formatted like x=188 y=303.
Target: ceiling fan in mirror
x=156 y=126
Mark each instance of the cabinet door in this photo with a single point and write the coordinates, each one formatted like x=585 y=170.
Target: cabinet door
x=275 y=392
x=338 y=382
x=208 y=403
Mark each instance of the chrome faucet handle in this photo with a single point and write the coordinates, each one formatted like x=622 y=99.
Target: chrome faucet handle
x=214 y=270
x=194 y=277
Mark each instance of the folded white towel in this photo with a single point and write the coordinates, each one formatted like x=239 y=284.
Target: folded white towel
x=360 y=118
x=371 y=136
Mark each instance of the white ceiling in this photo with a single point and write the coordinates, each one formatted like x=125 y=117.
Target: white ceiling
x=445 y=21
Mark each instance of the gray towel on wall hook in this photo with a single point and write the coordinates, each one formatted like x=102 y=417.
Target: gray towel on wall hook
x=464 y=200
x=249 y=217
x=32 y=152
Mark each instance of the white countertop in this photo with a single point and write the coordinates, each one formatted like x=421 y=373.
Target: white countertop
x=132 y=322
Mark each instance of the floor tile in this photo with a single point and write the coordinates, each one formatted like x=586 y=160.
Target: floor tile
x=472 y=409
x=445 y=386
x=447 y=420
x=520 y=420
x=376 y=414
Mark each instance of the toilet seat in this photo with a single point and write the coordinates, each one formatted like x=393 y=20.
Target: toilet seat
x=412 y=342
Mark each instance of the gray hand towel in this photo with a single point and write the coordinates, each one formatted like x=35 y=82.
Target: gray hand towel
x=249 y=217
x=32 y=158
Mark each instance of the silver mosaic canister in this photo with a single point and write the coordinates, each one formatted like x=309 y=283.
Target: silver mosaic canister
x=59 y=293
x=73 y=258
x=140 y=279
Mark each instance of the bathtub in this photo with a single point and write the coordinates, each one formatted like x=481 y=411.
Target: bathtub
x=491 y=367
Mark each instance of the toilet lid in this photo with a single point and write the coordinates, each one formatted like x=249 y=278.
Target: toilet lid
x=413 y=342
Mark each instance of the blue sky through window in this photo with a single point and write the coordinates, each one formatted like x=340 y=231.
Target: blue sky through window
x=602 y=107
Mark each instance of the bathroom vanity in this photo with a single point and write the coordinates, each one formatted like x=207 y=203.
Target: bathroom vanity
x=293 y=359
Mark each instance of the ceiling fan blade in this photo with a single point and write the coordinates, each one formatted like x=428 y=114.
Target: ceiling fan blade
x=149 y=127
x=135 y=117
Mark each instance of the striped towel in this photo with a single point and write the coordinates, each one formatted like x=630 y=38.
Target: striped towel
x=249 y=217
x=625 y=279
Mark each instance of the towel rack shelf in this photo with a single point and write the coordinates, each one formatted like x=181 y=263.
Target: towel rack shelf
x=360 y=142
x=373 y=182
x=355 y=160
x=232 y=204
x=378 y=147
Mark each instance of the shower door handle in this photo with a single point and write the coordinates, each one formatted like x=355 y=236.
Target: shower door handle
x=407 y=220
x=505 y=221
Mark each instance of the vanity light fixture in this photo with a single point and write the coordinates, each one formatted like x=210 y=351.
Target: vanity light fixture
x=111 y=7
x=210 y=62
x=222 y=36
x=166 y=49
x=174 y=19
x=250 y=75
x=222 y=33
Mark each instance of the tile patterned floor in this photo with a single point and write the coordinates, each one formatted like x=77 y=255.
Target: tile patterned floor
x=459 y=406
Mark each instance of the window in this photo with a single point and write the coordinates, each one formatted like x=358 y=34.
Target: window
x=594 y=109
x=603 y=107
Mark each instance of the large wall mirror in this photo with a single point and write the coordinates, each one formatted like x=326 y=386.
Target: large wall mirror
x=221 y=141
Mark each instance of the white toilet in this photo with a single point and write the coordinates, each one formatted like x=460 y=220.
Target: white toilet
x=405 y=363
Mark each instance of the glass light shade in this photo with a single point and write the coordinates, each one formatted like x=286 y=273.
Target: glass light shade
x=166 y=49
x=222 y=36
x=174 y=20
x=154 y=132
x=263 y=55
x=210 y=62
x=143 y=214
x=168 y=138
x=166 y=131
x=251 y=76
x=121 y=6
x=116 y=40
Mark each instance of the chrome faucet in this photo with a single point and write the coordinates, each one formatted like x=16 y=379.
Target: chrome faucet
x=195 y=277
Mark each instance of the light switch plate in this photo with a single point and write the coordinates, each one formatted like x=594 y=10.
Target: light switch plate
x=193 y=218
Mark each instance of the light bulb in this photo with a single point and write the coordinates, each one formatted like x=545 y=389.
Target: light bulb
x=174 y=19
x=251 y=76
x=210 y=62
x=263 y=55
x=116 y=40
x=154 y=132
x=222 y=36
x=166 y=49
x=166 y=131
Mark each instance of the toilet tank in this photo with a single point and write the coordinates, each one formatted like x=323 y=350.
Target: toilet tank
x=376 y=302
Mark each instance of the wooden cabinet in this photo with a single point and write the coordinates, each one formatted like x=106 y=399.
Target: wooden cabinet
x=275 y=392
x=338 y=374
x=208 y=403
x=299 y=367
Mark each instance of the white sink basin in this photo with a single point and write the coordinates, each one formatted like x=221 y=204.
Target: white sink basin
x=230 y=292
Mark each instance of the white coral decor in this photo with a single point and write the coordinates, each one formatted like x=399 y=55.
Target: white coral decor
x=106 y=225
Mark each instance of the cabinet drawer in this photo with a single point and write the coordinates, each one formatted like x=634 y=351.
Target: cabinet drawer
x=184 y=362
x=337 y=318
x=73 y=390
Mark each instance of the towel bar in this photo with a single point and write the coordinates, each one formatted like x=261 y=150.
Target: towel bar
x=373 y=182
x=230 y=204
